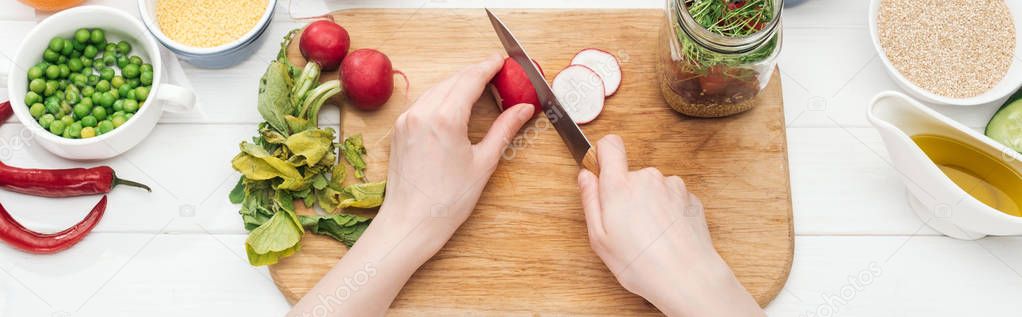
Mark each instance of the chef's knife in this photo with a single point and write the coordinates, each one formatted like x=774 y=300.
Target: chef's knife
x=579 y=146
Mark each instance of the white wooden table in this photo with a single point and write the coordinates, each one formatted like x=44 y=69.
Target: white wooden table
x=859 y=250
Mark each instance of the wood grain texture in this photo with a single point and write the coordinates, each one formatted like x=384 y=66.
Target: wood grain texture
x=524 y=251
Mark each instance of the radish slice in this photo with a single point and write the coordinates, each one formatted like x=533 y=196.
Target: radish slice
x=580 y=91
x=604 y=64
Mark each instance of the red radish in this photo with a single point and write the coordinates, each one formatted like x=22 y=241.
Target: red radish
x=604 y=64
x=368 y=78
x=580 y=91
x=325 y=43
x=511 y=86
x=714 y=82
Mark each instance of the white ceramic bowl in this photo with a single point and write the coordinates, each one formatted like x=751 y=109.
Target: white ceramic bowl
x=118 y=26
x=222 y=56
x=1008 y=85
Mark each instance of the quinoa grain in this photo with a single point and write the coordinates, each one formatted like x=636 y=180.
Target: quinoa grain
x=208 y=23
x=953 y=48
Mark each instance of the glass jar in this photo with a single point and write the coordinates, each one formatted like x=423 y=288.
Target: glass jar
x=706 y=73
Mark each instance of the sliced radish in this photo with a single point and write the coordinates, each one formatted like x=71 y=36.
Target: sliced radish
x=580 y=91
x=604 y=64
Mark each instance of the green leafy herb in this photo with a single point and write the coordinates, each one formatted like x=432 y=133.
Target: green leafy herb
x=344 y=227
x=354 y=152
x=274 y=239
x=291 y=159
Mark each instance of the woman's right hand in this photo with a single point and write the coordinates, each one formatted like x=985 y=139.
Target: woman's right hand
x=652 y=235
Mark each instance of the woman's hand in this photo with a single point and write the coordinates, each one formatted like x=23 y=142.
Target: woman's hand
x=436 y=174
x=652 y=234
x=434 y=180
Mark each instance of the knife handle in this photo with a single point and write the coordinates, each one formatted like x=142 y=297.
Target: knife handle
x=590 y=162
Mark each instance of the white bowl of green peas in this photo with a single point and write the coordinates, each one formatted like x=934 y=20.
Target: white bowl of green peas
x=87 y=83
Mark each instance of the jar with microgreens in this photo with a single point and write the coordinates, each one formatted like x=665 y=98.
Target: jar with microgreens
x=716 y=56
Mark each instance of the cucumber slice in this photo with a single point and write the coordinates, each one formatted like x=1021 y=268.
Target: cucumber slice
x=1006 y=125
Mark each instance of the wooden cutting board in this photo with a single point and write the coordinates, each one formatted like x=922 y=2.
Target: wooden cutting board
x=524 y=251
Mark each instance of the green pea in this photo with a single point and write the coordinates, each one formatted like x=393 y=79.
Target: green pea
x=117 y=81
x=109 y=60
x=45 y=120
x=56 y=44
x=130 y=106
x=122 y=61
x=52 y=72
x=88 y=91
x=75 y=55
x=71 y=95
x=86 y=62
x=67 y=120
x=119 y=106
x=35 y=72
x=146 y=68
x=128 y=116
x=123 y=90
x=68 y=47
x=62 y=85
x=130 y=71
x=135 y=59
x=37 y=110
x=133 y=82
x=97 y=36
x=61 y=59
x=50 y=56
x=110 y=48
x=75 y=130
x=106 y=99
x=32 y=97
x=64 y=70
x=37 y=85
x=75 y=64
x=130 y=95
x=82 y=35
x=123 y=47
x=141 y=93
x=118 y=121
x=89 y=121
x=80 y=80
x=106 y=73
x=99 y=112
x=93 y=80
x=90 y=51
x=105 y=126
x=146 y=78
x=82 y=110
x=88 y=132
x=115 y=94
x=103 y=86
x=51 y=88
x=57 y=127
x=87 y=102
x=52 y=105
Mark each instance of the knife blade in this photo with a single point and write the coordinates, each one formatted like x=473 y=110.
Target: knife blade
x=583 y=152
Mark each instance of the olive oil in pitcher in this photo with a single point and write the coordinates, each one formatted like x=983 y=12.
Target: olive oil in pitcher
x=985 y=177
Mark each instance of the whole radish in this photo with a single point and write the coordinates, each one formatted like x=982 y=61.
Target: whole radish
x=325 y=43
x=368 y=78
x=513 y=87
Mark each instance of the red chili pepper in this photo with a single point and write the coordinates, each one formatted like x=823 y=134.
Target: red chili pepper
x=62 y=182
x=27 y=240
x=5 y=110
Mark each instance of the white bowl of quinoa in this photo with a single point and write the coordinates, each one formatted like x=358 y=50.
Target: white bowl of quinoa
x=950 y=52
x=208 y=33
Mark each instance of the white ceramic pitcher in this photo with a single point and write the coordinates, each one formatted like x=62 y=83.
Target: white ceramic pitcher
x=934 y=197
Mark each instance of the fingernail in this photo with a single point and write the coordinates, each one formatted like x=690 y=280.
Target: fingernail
x=526 y=111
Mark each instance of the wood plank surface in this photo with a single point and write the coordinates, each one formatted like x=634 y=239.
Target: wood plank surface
x=524 y=250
